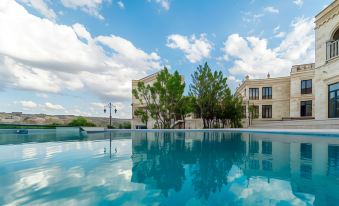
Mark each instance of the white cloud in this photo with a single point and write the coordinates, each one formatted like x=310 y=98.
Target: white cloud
x=41 y=7
x=57 y=58
x=253 y=57
x=50 y=106
x=165 y=4
x=277 y=33
x=42 y=95
x=121 y=5
x=271 y=9
x=194 y=48
x=299 y=43
x=91 y=7
x=81 y=32
x=280 y=34
x=252 y=18
x=27 y=105
x=298 y=2
x=98 y=105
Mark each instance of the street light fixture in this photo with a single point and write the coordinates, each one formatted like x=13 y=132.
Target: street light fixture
x=110 y=106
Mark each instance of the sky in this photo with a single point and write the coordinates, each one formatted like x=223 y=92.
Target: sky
x=75 y=56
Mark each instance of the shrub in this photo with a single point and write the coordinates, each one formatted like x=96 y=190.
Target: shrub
x=81 y=121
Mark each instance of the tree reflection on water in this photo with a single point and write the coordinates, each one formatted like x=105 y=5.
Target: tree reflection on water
x=159 y=160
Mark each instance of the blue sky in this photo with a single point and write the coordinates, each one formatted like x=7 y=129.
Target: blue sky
x=73 y=56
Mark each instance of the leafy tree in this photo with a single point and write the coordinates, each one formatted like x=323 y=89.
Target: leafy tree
x=208 y=88
x=236 y=112
x=252 y=113
x=142 y=114
x=81 y=121
x=185 y=106
x=160 y=99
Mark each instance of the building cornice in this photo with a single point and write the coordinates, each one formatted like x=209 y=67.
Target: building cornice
x=327 y=14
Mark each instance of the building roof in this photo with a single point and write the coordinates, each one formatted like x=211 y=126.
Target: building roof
x=149 y=76
x=327 y=13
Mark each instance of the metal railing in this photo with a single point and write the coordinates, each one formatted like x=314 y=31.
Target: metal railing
x=332 y=49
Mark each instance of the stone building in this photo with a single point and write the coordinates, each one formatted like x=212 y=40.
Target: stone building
x=327 y=62
x=283 y=97
x=312 y=90
x=136 y=122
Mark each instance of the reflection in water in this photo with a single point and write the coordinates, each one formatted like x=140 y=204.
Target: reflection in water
x=170 y=168
x=234 y=168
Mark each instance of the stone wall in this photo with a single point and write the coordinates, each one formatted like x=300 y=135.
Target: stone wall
x=327 y=72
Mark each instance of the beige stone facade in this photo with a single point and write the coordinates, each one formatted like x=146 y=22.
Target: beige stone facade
x=279 y=101
x=286 y=95
x=136 y=122
x=326 y=60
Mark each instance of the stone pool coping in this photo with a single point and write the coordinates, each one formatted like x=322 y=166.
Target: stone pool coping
x=313 y=132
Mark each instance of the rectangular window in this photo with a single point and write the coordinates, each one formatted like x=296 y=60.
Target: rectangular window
x=306 y=86
x=267 y=93
x=266 y=147
x=306 y=108
x=306 y=171
x=333 y=160
x=266 y=111
x=254 y=147
x=254 y=93
x=333 y=100
x=254 y=164
x=254 y=111
x=267 y=165
x=305 y=151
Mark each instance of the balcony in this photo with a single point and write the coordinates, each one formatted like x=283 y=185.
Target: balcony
x=332 y=50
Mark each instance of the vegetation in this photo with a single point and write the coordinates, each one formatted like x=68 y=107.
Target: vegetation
x=81 y=122
x=209 y=98
x=12 y=126
x=161 y=99
x=217 y=106
x=252 y=113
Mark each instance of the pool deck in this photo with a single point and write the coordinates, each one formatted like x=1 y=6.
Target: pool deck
x=312 y=132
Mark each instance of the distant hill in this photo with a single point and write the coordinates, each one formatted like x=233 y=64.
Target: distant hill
x=43 y=119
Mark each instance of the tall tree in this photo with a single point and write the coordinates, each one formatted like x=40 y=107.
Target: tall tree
x=208 y=89
x=161 y=99
x=185 y=106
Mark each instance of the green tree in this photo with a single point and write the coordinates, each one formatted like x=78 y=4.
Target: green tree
x=208 y=88
x=81 y=121
x=160 y=99
x=185 y=106
x=236 y=112
x=252 y=110
x=142 y=114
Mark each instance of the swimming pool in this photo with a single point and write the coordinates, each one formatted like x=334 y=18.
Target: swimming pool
x=168 y=168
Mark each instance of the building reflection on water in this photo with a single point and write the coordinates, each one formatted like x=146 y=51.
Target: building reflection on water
x=308 y=165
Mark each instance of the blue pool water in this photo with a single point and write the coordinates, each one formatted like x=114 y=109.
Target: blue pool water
x=168 y=168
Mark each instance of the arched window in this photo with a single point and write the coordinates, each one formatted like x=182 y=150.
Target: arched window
x=335 y=35
x=332 y=46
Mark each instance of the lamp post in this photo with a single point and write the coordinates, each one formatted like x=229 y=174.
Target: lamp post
x=110 y=106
